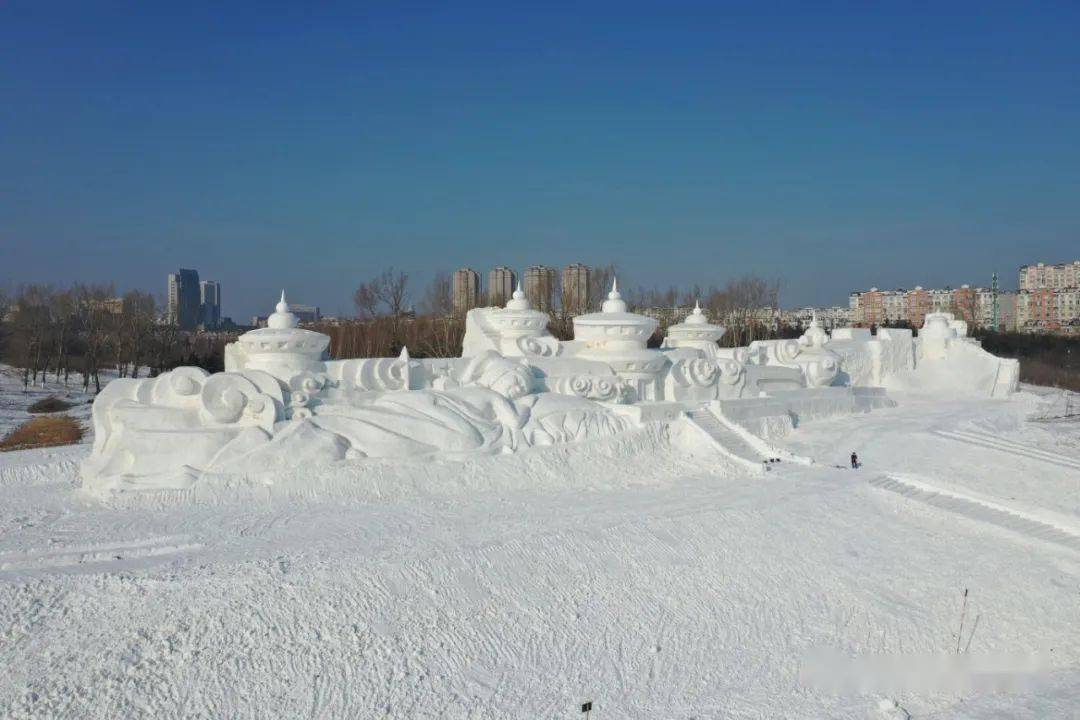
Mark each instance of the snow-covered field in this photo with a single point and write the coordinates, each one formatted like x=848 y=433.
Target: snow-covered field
x=654 y=581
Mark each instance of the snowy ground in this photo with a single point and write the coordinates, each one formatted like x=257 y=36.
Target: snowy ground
x=654 y=584
x=14 y=398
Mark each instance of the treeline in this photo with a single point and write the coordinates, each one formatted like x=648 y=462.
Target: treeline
x=85 y=329
x=81 y=330
x=386 y=321
x=1049 y=360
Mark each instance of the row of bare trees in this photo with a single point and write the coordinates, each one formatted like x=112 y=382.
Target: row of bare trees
x=83 y=329
x=385 y=322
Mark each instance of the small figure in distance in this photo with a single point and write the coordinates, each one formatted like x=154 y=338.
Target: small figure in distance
x=854 y=461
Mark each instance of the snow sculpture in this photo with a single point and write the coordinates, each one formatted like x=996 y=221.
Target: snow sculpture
x=934 y=337
x=516 y=330
x=282 y=404
x=695 y=332
x=700 y=370
x=619 y=338
x=818 y=365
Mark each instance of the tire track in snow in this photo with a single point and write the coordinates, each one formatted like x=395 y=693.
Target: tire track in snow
x=976 y=510
x=1023 y=447
x=96 y=555
x=1008 y=446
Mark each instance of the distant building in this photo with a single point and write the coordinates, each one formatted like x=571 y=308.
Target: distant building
x=113 y=306
x=575 y=289
x=210 y=303
x=303 y=313
x=1041 y=276
x=501 y=284
x=540 y=283
x=883 y=308
x=828 y=318
x=184 y=307
x=466 y=290
x=667 y=316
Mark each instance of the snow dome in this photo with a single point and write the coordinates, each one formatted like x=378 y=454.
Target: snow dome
x=613 y=329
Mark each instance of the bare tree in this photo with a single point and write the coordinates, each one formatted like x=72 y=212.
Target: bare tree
x=137 y=319
x=600 y=278
x=30 y=329
x=367 y=304
x=390 y=288
x=385 y=294
x=438 y=298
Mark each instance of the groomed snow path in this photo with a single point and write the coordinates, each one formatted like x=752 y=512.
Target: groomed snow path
x=682 y=589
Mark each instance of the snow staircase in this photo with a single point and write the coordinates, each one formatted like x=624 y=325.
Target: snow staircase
x=973 y=509
x=733 y=441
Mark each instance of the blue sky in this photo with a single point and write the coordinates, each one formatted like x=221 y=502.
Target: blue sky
x=834 y=146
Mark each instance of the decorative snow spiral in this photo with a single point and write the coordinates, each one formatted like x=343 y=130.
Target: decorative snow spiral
x=580 y=385
x=538 y=346
x=378 y=374
x=183 y=382
x=601 y=388
x=230 y=398
x=785 y=351
x=730 y=371
x=821 y=372
x=702 y=372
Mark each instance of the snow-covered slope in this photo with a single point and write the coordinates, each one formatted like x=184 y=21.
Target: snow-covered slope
x=646 y=575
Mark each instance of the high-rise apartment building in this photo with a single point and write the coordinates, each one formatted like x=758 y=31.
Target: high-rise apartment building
x=184 y=302
x=210 y=303
x=540 y=287
x=575 y=289
x=501 y=282
x=466 y=290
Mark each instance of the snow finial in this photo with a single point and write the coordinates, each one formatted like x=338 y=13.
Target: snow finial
x=697 y=317
x=518 y=301
x=614 y=303
x=404 y=355
x=282 y=318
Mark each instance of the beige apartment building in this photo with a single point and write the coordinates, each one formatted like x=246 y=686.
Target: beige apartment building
x=540 y=281
x=466 y=290
x=1054 y=277
x=1049 y=298
x=575 y=289
x=501 y=283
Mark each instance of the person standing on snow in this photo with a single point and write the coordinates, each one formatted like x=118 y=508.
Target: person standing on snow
x=854 y=461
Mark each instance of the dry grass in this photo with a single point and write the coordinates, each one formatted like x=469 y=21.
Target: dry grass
x=43 y=432
x=49 y=405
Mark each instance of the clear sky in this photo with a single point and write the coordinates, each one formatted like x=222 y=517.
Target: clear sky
x=308 y=145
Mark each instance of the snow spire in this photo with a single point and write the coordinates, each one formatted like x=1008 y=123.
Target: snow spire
x=282 y=318
x=614 y=303
x=518 y=301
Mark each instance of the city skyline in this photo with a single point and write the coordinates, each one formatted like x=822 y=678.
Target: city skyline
x=823 y=147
